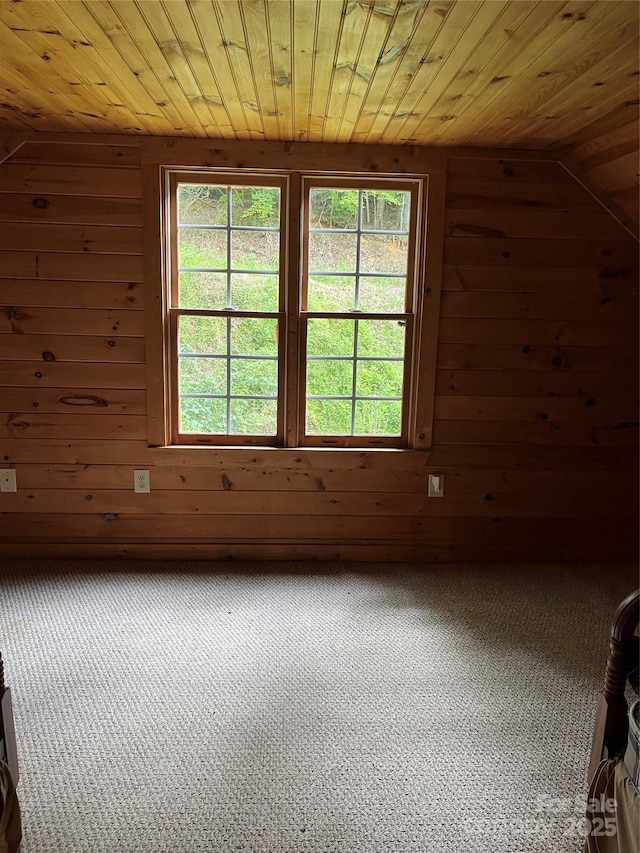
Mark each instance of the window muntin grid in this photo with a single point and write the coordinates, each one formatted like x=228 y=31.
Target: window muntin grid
x=393 y=310
x=227 y=372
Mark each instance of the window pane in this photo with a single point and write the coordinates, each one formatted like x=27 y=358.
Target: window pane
x=375 y=417
x=254 y=292
x=202 y=204
x=255 y=250
x=333 y=208
x=251 y=336
x=383 y=253
x=329 y=377
x=381 y=338
x=332 y=293
x=201 y=247
x=385 y=210
x=202 y=290
x=332 y=252
x=202 y=375
x=202 y=335
x=328 y=417
x=254 y=377
x=254 y=417
x=203 y=415
x=330 y=337
x=257 y=206
x=379 y=379
x=382 y=295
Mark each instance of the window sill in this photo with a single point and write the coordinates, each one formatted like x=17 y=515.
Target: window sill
x=286 y=457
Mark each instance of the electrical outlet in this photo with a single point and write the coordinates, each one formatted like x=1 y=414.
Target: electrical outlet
x=8 y=480
x=141 y=481
x=436 y=485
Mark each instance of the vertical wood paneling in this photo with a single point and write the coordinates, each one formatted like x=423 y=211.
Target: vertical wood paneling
x=535 y=380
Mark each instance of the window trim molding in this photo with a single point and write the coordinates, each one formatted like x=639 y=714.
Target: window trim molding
x=288 y=157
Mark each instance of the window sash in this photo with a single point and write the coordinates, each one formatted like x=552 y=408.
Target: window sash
x=254 y=179
x=407 y=316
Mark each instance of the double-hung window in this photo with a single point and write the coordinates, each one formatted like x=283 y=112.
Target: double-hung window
x=291 y=308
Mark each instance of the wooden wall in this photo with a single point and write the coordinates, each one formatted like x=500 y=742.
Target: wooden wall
x=536 y=393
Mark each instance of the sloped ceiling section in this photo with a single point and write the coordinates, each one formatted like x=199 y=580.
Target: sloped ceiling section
x=519 y=74
x=607 y=153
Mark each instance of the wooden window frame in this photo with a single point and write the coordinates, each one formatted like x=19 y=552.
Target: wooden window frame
x=415 y=186
x=418 y=397
x=174 y=311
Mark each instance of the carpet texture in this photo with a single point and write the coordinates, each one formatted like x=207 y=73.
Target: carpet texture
x=304 y=708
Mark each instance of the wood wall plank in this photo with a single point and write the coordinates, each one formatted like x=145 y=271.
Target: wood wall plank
x=78 y=348
x=98 y=401
x=72 y=294
x=33 y=425
x=60 y=374
x=19 y=320
x=110 y=240
x=89 y=154
x=340 y=504
x=73 y=267
x=42 y=207
x=70 y=180
x=609 y=279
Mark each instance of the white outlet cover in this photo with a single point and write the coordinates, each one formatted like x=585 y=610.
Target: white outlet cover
x=141 y=483
x=8 y=480
x=436 y=485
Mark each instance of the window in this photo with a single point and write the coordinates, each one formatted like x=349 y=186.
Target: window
x=227 y=309
x=291 y=309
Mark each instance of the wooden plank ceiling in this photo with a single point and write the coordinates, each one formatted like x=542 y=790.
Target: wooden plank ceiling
x=559 y=74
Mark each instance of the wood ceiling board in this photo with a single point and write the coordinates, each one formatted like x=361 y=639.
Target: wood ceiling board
x=607 y=147
x=483 y=86
x=447 y=72
x=486 y=102
x=572 y=122
x=229 y=58
x=353 y=69
x=246 y=24
x=26 y=94
x=186 y=25
x=327 y=36
x=304 y=13
x=595 y=93
x=624 y=114
x=439 y=105
x=110 y=57
x=44 y=66
x=102 y=30
x=130 y=32
x=528 y=88
x=71 y=57
x=394 y=45
x=178 y=42
x=383 y=101
x=463 y=22
x=279 y=18
x=618 y=174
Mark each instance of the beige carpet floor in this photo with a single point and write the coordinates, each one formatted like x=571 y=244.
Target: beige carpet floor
x=304 y=708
